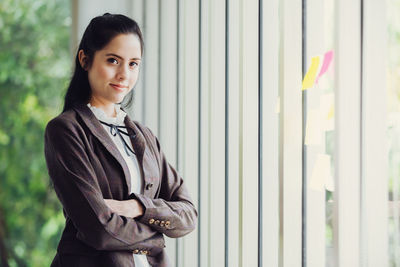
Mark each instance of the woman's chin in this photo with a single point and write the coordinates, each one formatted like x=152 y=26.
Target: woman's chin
x=117 y=99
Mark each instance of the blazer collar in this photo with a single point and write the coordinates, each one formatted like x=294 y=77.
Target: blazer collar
x=136 y=137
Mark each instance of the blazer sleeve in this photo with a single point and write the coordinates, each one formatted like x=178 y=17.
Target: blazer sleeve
x=173 y=212
x=77 y=188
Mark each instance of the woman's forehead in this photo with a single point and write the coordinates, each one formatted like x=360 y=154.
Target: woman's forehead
x=126 y=46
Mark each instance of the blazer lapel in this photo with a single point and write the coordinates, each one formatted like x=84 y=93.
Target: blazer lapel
x=147 y=161
x=99 y=132
x=139 y=145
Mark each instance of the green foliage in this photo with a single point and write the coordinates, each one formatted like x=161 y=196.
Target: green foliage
x=34 y=72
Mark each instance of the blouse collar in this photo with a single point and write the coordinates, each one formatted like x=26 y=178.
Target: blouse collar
x=101 y=115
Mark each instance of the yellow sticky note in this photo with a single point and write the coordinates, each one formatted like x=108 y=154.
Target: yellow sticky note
x=331 y=112
x=314 y=130
x=321 y=173
x=311 y=74
x=327 y=102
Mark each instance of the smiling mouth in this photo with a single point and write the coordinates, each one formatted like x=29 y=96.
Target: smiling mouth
x=118 y=87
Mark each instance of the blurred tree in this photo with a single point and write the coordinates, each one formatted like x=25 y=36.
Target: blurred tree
x=34 y=70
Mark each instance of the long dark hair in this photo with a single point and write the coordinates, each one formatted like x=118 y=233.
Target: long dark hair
x=100 y=31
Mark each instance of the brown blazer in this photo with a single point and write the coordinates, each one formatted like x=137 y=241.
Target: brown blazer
x=86 y=167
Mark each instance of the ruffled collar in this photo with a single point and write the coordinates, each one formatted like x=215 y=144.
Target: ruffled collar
x=101 y=115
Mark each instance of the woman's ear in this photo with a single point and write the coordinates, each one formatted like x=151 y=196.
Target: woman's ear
x=82 y=59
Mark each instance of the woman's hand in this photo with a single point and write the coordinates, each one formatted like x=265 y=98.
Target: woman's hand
x=128 y=208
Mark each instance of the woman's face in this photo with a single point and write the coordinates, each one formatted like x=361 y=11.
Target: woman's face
x=115 y=69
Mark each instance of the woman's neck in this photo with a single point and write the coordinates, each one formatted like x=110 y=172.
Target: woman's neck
x=109 y=108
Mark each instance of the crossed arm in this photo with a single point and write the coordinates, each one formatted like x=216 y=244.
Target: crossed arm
x=172 y=212
x=129 y=208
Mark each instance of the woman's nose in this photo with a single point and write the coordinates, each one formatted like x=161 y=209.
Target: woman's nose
x=122 y=72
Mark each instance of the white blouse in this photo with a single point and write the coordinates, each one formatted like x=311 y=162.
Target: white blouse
x=131 y=161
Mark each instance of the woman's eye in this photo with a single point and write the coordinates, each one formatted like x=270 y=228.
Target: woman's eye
x=112 y=60
x=133 y=64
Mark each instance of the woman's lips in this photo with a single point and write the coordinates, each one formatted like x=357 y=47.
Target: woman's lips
x=117 y=87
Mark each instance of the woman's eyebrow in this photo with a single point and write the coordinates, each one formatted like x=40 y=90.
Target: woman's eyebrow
x=111 y=54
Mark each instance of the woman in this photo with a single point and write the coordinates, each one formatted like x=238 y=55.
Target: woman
x=119 y=194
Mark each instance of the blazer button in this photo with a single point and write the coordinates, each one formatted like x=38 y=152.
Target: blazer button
x=148 y=186
x=136 y=251
x=167 y=223
x=151 y=221
x=162 y=223
x=157 y=222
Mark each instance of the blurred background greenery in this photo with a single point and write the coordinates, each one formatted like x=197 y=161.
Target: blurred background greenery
x=35 y=65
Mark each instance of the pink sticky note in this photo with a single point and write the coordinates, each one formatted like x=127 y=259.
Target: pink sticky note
x=325 y=64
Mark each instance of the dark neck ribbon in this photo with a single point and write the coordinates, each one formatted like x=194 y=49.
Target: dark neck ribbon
x=114 y=130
